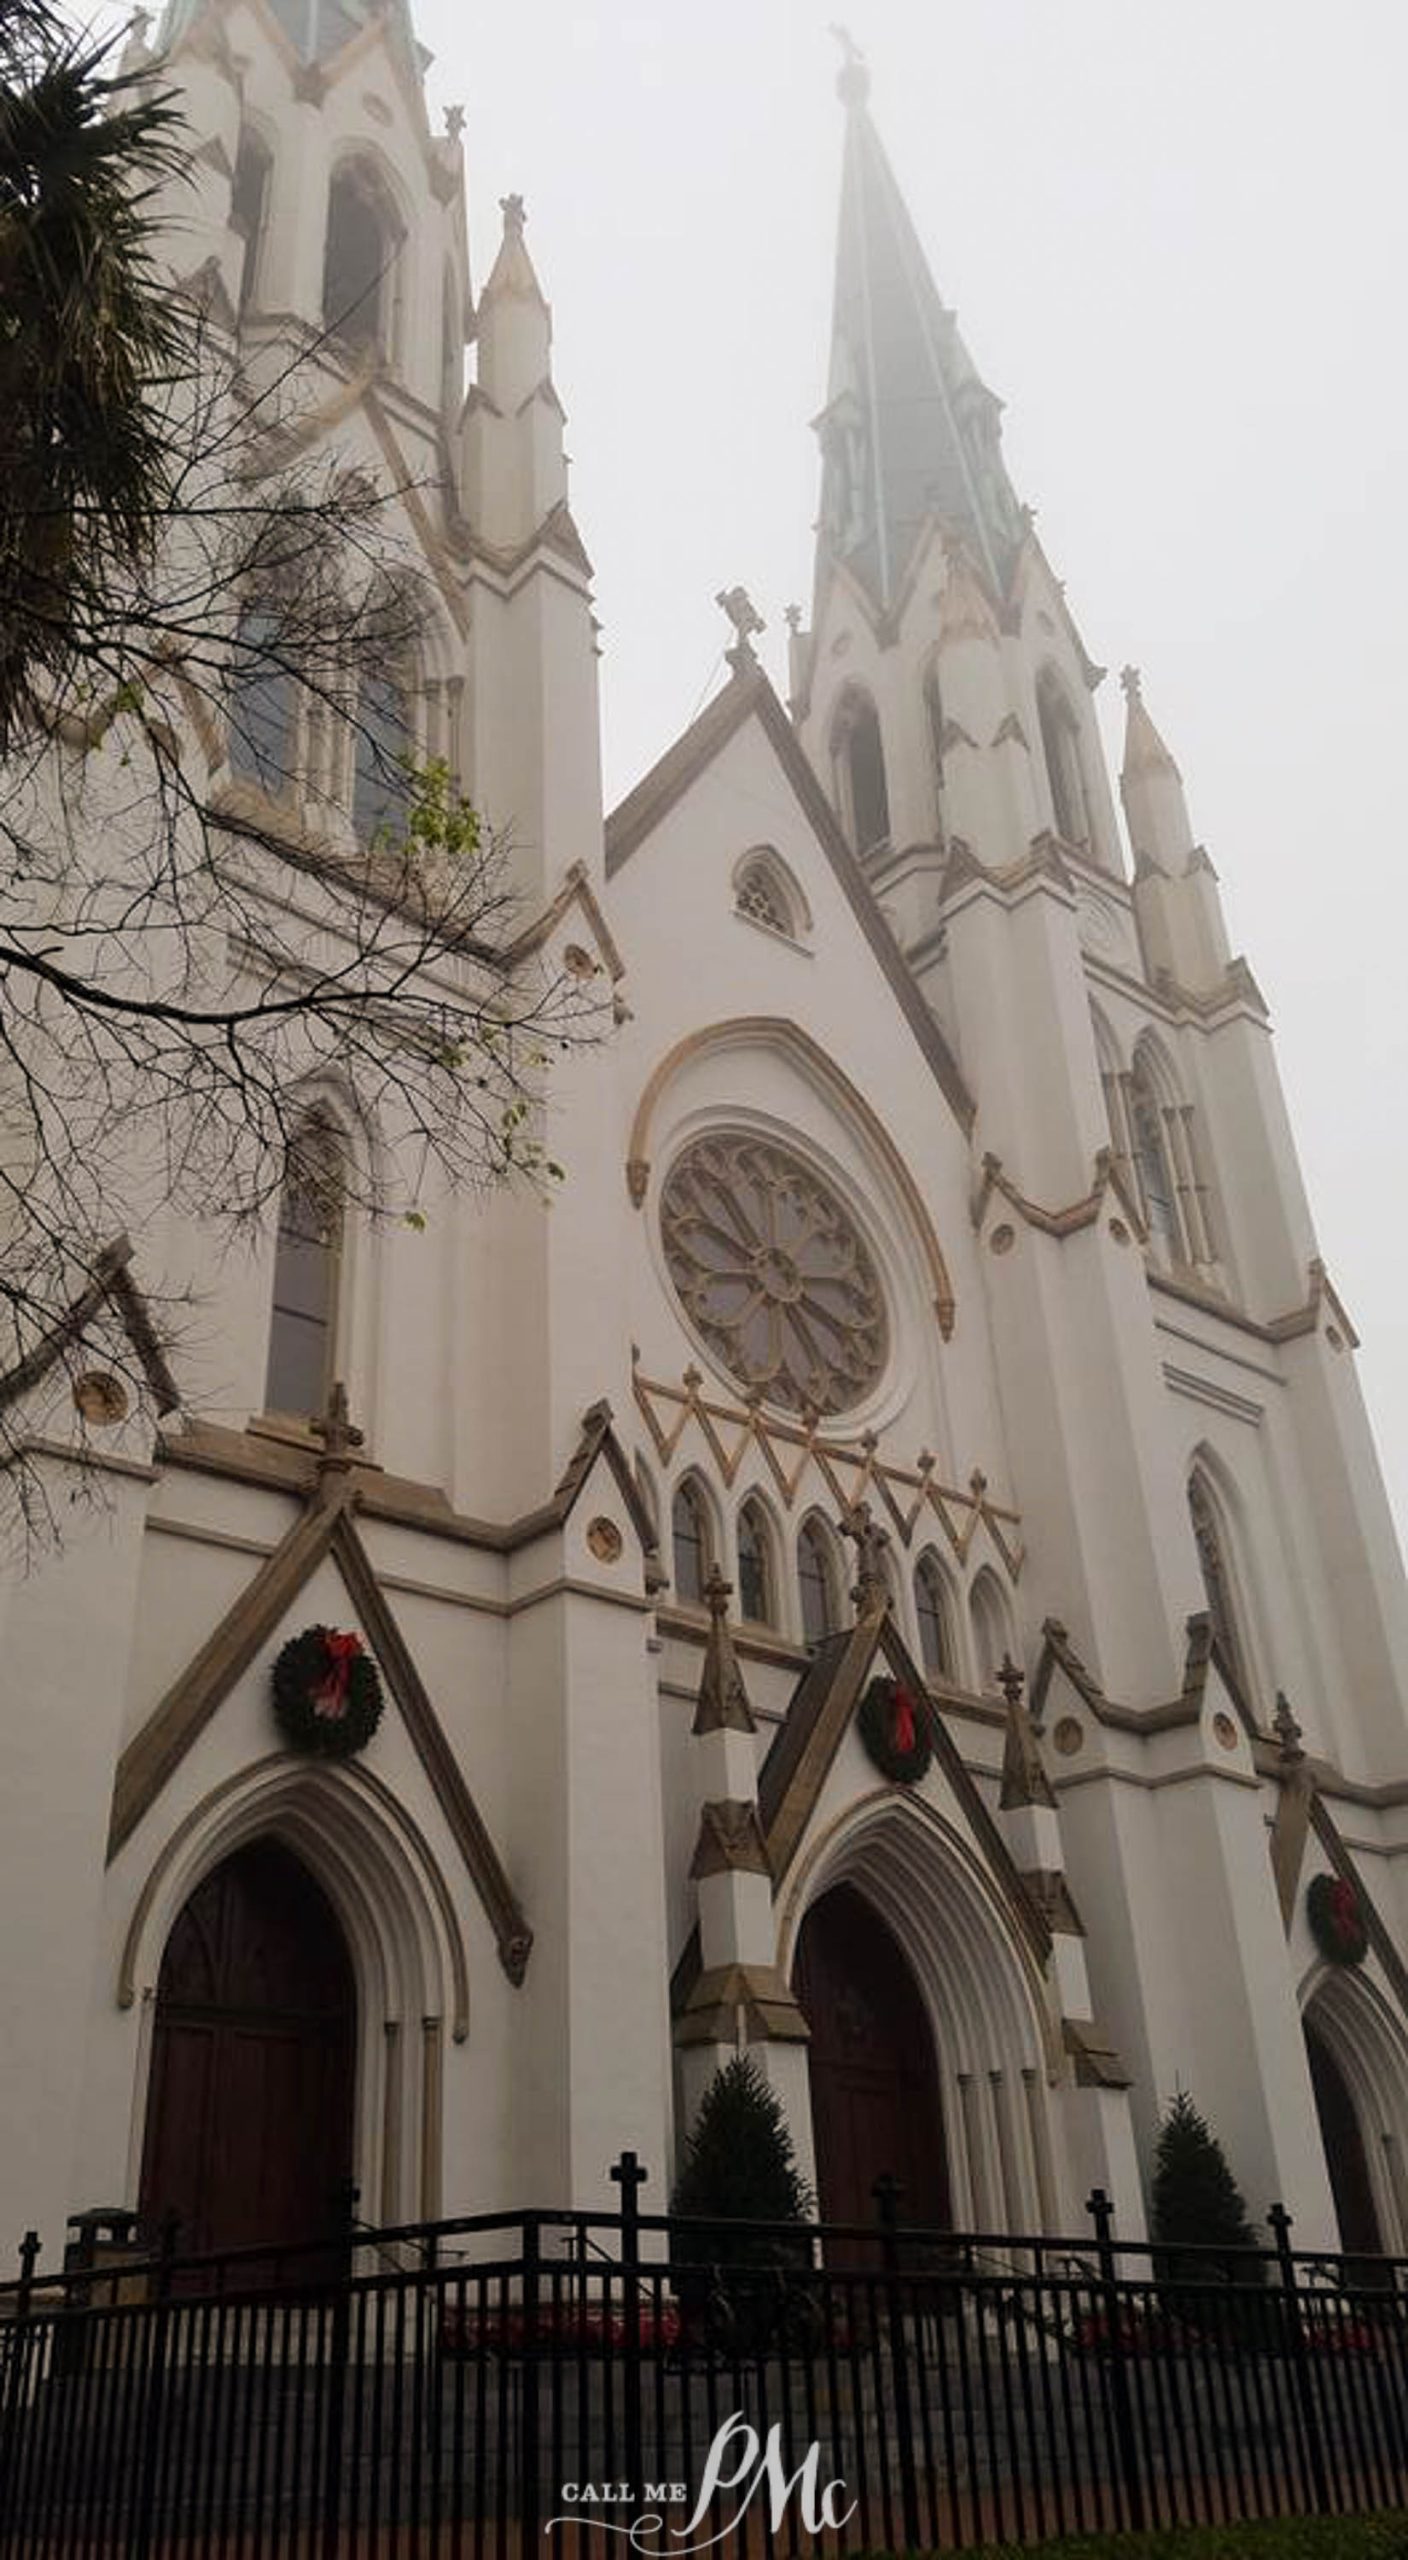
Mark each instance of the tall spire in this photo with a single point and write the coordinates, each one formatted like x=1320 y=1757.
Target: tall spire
x=909 y=429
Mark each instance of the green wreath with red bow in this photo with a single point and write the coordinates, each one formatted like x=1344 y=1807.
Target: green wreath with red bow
x=1337 y=1923
x=894 y=1726
x=327 y=1693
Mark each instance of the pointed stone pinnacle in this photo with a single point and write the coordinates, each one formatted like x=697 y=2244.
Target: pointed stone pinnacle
x=723 y=1701
x=1286 y=1730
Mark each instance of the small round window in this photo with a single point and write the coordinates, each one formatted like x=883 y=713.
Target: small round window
x=772 y=1274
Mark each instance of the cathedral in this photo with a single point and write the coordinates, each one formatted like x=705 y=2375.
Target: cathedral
x=886 y=1571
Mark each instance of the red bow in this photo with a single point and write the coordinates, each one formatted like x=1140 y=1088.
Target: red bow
x=1344 y=1908
x=330 y=1694
x=902 y=1731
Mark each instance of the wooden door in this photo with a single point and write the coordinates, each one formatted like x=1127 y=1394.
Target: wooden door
x=249 y=2119
x=875 y=2098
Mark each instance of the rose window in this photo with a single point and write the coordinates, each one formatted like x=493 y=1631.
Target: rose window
x=773 y=1275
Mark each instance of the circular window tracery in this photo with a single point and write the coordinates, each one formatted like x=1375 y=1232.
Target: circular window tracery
x=773 y=1274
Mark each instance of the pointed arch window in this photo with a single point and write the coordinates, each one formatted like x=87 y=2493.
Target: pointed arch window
x=359 y=261
x=307 y=1268
x=383 y=746
x=762 y=896
x=859 y=756
x=1065 y=764
x=1210 y=1542
x=936 y=1647
x=1152 y=1164
x=992 y=1627
x=818 y=1582
x=249 y=206
x=692 y=1545
x=757 y=1572
x=262 y=701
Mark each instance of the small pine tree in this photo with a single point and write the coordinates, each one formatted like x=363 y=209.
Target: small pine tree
x=1196 y=2200
x=740 y=2166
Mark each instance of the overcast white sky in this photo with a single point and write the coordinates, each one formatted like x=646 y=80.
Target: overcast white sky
x=1178 y=243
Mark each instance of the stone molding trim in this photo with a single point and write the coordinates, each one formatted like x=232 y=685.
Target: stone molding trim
x=745 y=696
x=1097 y=2065
x=188 y=1706
x=576 y=890
x=1322 y=1302
x=1202 y=1649
x=1054 y=1900
x=111 y=1286
x=1070 y=1221
x=386 y=1804
x=851 y=1473
x=797 y=1765
x=281 y=1465
x=730 y=1841
x=710 y=2011
x=776 y=1031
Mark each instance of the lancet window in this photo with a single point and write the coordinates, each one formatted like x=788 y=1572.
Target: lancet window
x=691 y=1542
x=818 y=1581
x=262 y=701
x=1217 y=1583
x=359 y=261
x=1065 y=764
x=249 y=206
x=936 y=1648
x=307 y=1267
x=757 y=1570
x=859 y=757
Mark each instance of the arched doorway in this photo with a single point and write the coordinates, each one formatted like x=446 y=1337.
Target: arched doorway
x=875 y=2096
x=249 y=2118
x=1345 y=2156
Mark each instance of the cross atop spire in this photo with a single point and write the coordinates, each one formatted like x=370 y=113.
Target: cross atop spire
x=853 y=78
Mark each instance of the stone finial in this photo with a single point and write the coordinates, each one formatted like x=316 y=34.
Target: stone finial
x=853 y=79
x=338 y=1434
x=1024 y=1778
x=514 y=214
x=738 y=605
x=1287 y=1732
x=792 y=616
x=1130 y=683
x=454 y=123
x=723 y=1701
x=871 y=1540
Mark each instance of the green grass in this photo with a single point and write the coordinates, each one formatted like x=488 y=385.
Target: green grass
x=1377 y=2537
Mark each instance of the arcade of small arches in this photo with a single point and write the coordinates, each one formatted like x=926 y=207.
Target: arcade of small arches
x=797 y=1588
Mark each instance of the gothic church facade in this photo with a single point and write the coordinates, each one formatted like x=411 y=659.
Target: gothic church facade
x=889 y=1571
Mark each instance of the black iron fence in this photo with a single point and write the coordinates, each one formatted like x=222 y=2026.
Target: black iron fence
x=473 y=2387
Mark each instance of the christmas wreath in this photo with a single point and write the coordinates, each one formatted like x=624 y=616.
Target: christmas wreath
x=327 y=1693
x=1336 y=1916
x=894 y=1726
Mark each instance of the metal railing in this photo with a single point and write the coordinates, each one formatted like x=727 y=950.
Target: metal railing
x=466 y=2387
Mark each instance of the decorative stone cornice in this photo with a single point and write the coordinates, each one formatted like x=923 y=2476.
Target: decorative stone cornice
x=111 y=1286
x=1070 y=1221
x=757 y=1993
x=793 y=1451
x=1097 y=2065
x=730 y=1840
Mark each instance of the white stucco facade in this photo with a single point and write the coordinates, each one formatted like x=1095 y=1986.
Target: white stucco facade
x=1004 y=1038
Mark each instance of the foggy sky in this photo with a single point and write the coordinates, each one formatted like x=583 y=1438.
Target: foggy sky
x=1176 y=241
